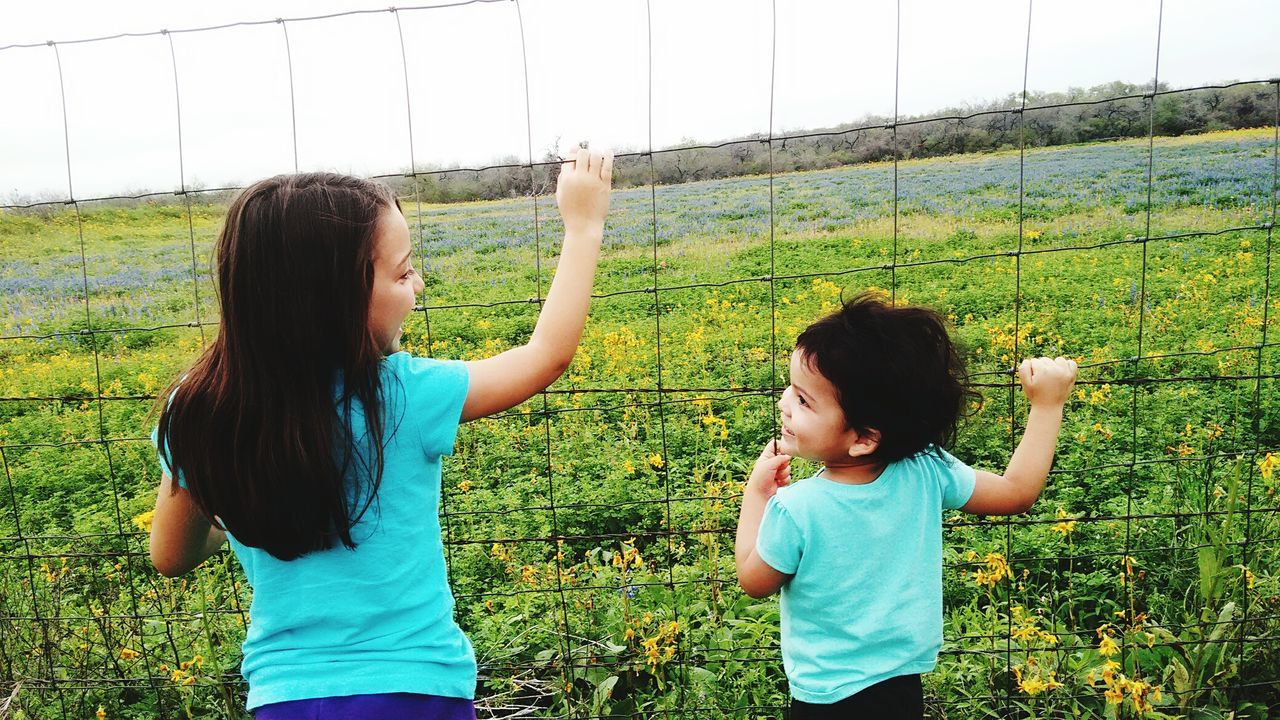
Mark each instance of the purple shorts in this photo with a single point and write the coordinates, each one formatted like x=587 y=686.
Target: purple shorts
x=389 y=706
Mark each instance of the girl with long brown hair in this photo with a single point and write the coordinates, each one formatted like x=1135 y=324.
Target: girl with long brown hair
x=304 y=438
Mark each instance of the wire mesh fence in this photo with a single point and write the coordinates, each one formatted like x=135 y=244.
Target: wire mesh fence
x=589 y=531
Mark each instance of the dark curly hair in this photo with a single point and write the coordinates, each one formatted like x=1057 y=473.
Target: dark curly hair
x=895 y=370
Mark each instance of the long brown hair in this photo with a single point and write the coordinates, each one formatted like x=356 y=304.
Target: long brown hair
x=259 y=426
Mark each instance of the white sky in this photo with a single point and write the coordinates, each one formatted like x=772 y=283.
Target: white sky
x=588 y=76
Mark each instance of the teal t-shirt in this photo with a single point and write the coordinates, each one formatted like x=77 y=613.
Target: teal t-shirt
x=864 y=602
x=377 y=619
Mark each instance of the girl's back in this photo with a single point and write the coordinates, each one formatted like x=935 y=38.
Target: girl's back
x=327 y=618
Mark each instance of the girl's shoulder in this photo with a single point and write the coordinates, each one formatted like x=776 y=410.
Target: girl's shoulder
x=932 y=459
x=813 y=490
x=411 y=369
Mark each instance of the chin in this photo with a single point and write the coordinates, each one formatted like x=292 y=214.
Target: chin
x=787 y=445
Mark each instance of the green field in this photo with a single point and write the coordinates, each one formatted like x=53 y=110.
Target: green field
x=590 y=530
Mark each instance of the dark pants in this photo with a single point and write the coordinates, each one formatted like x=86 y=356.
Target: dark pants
x=391 y=706
x=898 y=698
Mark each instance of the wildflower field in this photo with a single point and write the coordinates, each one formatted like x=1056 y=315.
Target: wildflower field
x=590 y=530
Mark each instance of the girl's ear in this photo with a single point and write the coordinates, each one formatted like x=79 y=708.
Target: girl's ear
x=864 y=443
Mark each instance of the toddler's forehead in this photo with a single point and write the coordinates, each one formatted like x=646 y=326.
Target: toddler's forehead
x=806 y=362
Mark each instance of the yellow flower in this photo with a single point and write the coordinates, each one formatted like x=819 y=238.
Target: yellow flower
x=101 y=714
x=529 y=575
x=143 y=521
x=626 y=465
x=129 y=654
x=997 y=570
x=1034 y=683
x=1247 y=575
x=1108 y=647
x=656 y=461
x=1065 y=526
x=1101 y=395
x=1267 y=465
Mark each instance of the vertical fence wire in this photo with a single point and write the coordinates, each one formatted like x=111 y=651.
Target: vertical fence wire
x=1126 y=562
x=897 y=74
x=293 y=105
x=566 y=636
x=84 y=277
x=182 y=188
x=660 y=404
x=1256 y=420
x=1007 y=694
x=223 y=558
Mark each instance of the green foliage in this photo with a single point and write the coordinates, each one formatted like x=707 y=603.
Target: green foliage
x=590 y=531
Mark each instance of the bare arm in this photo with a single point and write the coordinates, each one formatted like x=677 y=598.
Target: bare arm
x=181 y=536
x=772 y=471
x=508 y=379
x=1048 y=385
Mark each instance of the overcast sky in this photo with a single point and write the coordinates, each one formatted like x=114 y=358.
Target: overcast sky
x=588 y=65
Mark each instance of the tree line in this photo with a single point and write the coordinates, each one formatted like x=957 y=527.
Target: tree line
x=1078 y=115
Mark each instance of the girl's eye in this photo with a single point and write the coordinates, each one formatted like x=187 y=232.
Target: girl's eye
x=408 y=274
x=802 y=400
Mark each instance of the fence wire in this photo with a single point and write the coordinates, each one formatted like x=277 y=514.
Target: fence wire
x=144 y=655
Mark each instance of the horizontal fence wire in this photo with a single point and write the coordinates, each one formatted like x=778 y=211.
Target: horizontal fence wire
x=568 y=677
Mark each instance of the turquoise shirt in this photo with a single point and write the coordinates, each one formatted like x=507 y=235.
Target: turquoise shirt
x=864 y=602
x=377 y=619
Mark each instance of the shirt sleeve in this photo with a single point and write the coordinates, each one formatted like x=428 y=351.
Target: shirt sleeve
x=435 y=391
x=780 y=542
x=956 y=479
x=164 y=466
